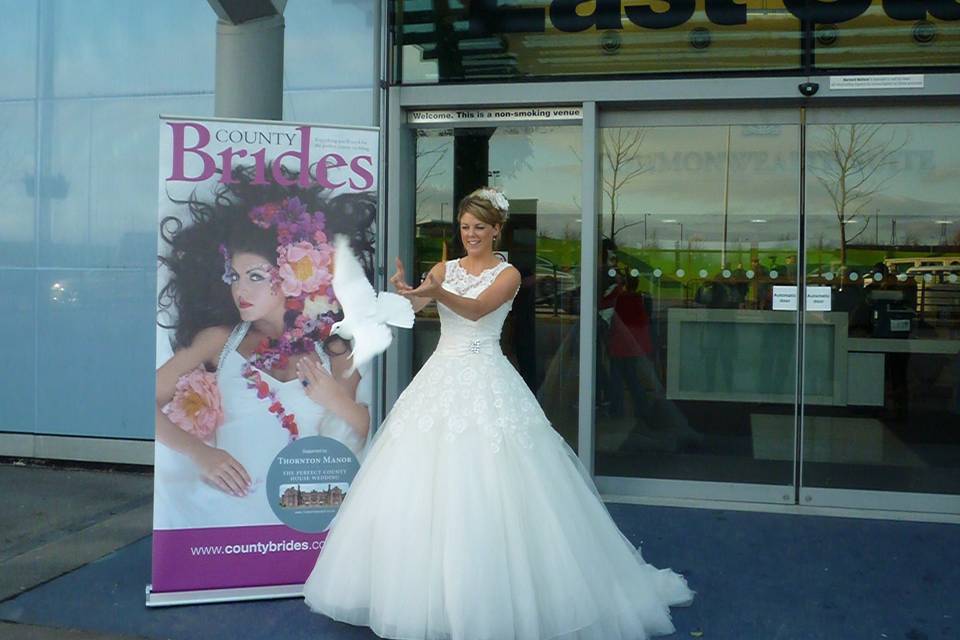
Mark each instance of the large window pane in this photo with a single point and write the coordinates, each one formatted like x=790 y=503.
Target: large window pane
x=454 y=41
x=446 y=40
x=116 y=47
x=18 y=324
x=696 y=365
x=95 y=360
x=329 y=44
x=352 y=107
x=17 y=184
x=883 y=239
x=18 y=48
x=888 y=34
x=99 y=175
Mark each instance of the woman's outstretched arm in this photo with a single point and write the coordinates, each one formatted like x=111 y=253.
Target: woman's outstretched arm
x=503 y=289
x=399 y=282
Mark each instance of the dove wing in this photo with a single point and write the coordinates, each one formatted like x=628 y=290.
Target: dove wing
x=394 y=309
x=369 y=340
x=350 y=284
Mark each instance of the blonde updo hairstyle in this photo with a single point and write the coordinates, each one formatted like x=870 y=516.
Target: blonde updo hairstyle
x=483 y=209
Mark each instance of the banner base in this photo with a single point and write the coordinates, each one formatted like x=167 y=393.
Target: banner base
x=210 y=596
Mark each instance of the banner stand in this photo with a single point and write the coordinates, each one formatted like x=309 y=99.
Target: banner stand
x=256 y=204
x=212 y=596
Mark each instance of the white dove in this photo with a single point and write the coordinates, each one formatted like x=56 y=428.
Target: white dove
x=366 y=313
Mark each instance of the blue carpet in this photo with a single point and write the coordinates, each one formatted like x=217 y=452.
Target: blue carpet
x=758 y=576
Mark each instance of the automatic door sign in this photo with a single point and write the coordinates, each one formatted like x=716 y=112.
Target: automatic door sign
x=309 y=480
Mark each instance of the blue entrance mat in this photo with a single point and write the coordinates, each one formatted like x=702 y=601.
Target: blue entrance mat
x=757 y=576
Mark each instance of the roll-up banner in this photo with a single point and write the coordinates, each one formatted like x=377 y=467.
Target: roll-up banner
x=259 y=422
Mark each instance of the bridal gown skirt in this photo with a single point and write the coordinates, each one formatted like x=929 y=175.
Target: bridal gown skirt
x=472 y=519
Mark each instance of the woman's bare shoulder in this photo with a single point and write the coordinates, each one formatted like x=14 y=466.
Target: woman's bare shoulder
x=509 y=273
x=209 y=342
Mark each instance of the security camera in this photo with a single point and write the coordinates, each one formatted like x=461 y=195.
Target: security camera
x=808 y=88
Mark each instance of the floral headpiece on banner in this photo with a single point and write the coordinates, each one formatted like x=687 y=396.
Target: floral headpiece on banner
x=302 y=273
x=304 y=259
x=497 y=199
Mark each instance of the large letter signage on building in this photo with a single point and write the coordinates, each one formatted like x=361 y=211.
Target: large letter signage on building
x=251 y=465
x=486 y=16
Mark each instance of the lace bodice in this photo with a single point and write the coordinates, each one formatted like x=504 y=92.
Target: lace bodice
x=468 y=386
x=459 y=334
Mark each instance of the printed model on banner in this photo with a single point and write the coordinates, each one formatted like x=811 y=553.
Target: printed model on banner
x=366 y=313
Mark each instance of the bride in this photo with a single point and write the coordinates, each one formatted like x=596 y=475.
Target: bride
x=471 y=518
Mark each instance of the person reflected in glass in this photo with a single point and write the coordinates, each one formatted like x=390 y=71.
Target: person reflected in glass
x=608 y=276
x=628 y=344
x=889 y=313
x=718 y=340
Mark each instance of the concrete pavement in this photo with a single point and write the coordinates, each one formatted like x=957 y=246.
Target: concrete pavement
x=56 y=518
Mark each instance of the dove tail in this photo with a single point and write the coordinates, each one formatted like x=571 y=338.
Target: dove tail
x=394 y=310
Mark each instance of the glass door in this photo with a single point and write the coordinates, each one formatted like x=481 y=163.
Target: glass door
x=696 y=372
x=777 y=291
x=538 y=169
x=882 y=274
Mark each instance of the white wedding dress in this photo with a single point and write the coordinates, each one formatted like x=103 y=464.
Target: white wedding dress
x=252 y=435
x=471 y=518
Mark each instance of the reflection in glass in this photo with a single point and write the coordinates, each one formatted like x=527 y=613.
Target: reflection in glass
x=17 y=184
x=89 y=317
x=453 y=41
x=887 y=34
x=883 y=235
x=97 y=198
x=129 y=45
x=351 y=107
x=538 y=169
x=18 y=325
x=696 y=365
x=341 y=31
x=441 y=41
x=18 y=49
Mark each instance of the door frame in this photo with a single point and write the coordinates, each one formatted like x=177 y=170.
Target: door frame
x=694 y=114
x=603 y=99
x=868 y=499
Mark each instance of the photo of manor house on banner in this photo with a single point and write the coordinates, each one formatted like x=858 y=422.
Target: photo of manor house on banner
x=260 y=421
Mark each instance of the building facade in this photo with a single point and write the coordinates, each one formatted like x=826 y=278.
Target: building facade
x=738 y=223
x=737 y=227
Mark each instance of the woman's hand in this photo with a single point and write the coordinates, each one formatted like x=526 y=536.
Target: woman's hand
x=317 y=383
x=399 y=279
x=222 y=470
x=429 y=288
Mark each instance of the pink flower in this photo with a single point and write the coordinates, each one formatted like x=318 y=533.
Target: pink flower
x=303 y=268
x=195 y=406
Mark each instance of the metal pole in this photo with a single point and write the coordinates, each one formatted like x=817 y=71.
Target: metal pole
x=726 y=204
x=589 y=243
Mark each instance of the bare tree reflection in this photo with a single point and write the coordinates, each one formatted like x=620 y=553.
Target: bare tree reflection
x=622 y=163
x=853 y=162
x=428 y=162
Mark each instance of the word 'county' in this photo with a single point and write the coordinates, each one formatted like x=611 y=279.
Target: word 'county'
x=486 y=16
x=360 y=167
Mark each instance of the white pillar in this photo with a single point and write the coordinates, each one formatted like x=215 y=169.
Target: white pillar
x=249 y=73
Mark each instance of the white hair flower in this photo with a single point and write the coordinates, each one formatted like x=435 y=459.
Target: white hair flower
x=317 y=305
x=497 y=199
